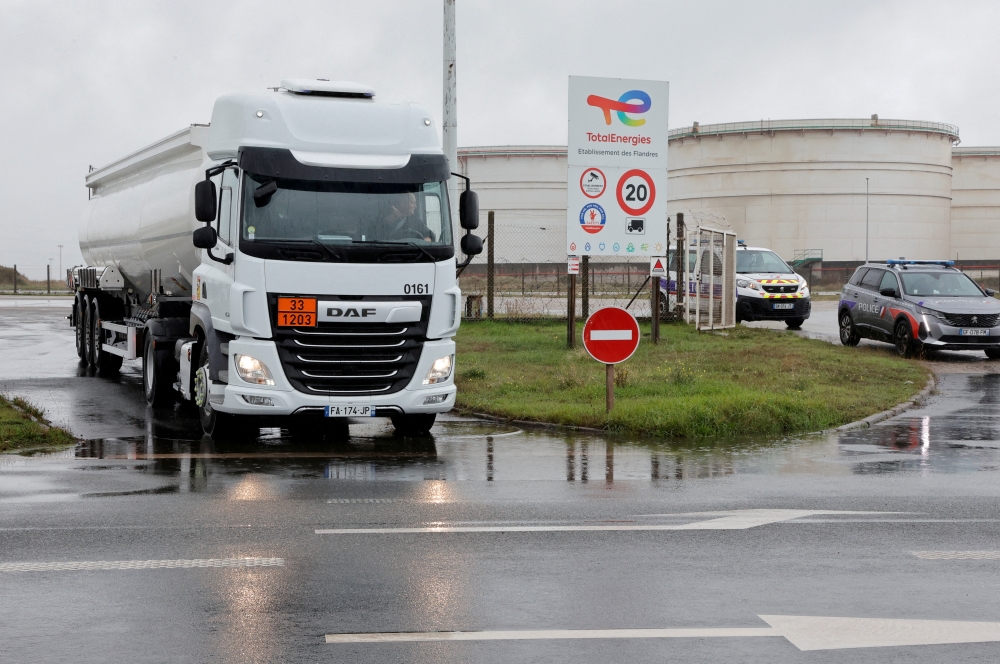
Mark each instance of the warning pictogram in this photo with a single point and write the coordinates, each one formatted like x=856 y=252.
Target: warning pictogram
x=657 y=266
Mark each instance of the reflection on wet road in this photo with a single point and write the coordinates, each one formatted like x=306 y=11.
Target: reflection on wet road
x=154 y=543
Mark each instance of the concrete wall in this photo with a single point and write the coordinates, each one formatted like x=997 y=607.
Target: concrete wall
x=975 y=208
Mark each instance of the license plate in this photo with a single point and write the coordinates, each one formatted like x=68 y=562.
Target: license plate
x=784 y=305
x=981 y=332
x=296 y=312
x=349 y=411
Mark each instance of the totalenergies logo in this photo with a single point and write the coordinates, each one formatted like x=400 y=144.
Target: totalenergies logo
x=633 y=101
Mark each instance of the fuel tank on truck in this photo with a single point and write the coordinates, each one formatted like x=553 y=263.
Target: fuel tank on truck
x=141 y=214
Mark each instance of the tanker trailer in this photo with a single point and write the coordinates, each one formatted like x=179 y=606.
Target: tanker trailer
x=289 y=264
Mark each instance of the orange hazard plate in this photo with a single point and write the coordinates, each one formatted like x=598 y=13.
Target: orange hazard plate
x=296 y=312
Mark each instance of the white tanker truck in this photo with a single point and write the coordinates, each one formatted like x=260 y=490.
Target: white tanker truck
x=290 y=264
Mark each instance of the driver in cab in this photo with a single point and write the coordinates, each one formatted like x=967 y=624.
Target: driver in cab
x=400 y=222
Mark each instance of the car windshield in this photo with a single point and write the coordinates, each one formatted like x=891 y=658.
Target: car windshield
x=752 y=261
x=344 y=218
x=939 y=284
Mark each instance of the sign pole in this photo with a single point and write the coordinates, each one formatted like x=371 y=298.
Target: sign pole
x=655 y=332
x=571 y=312
x=611 y=386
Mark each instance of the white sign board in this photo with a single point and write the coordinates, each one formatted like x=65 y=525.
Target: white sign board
x=658 y=266
x=617 y=187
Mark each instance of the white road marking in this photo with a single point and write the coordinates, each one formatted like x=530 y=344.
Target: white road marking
x=525 y=635
x=734 y=520
x=804 y=632
x=611 y=335
x=957 y=555
x=142 y=564
x=352 y=501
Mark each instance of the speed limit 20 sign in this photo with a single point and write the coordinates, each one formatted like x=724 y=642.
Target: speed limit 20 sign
x=636 y=192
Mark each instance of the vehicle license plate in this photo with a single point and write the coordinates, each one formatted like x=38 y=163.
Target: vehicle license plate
x=349 y=411
x=981 y=332
x=784 y=305
x=296 y=312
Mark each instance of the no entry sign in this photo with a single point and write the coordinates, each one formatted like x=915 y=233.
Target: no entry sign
x=611 y=335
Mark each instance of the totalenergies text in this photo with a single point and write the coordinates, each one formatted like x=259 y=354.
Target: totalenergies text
x=618 y=138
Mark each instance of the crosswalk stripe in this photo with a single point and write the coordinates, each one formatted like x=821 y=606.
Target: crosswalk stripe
x=141 y=564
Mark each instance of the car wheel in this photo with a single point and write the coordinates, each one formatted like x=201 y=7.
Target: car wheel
x=848 y=334
x=903 y=339
x=993 y=353
x=794 y=323
x=413 y=424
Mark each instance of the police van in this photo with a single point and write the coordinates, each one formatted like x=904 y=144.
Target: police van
x=768 y=289
x=918 y=305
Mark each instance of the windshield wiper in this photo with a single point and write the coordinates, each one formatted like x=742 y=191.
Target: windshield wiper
x=410 y=243
x=329 y=252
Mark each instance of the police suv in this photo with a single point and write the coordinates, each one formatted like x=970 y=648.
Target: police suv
x=914 y=304
x=768 y=289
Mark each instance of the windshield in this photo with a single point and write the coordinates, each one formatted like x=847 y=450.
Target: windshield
x=939 y=284
x=752 y=261
x=344 y=221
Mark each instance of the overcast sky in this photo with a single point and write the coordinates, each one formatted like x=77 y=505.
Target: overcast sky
x=85 y=83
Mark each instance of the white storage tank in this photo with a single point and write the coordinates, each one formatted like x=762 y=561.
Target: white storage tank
x=975 y=205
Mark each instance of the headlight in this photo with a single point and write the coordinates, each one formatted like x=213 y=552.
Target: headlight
x=742 y=283
x=440 y=371
x=930 y=312
x=253 y=370
x=803 y=286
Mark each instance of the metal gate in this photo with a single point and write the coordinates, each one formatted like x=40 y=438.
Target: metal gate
x=710 y=276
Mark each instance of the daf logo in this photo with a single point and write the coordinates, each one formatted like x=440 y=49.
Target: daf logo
x=334 y=312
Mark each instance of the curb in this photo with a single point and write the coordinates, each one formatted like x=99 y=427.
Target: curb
x=527 y=423
x=892 y=412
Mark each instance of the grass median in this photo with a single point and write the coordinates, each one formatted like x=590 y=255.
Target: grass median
x=745 y=382
x=23 y=426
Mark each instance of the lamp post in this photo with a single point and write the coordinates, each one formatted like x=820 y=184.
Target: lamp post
x=866 y=220
x=60 y=260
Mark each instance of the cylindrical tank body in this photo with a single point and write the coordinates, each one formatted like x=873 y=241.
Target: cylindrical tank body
x=975 y=206
x=143 y=220
x=795 y=185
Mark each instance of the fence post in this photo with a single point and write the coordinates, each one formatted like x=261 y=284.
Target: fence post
x=48 y=279
x=15 y=278
x=655 y=331
x=571 y=312
x=490 y=266
x=585 y=286
x=680 y=267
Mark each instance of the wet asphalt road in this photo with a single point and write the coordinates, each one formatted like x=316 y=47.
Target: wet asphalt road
x=145 y=487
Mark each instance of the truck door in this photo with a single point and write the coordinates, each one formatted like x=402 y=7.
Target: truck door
x=886 y=321
x=218 y=278
x=869 y=301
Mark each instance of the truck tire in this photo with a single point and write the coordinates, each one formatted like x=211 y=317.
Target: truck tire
x=413 y=424
x=107 y=364
x=220 y=426
x=81 y=330
x=88 y=332
x=794 y=323
x=156 y=384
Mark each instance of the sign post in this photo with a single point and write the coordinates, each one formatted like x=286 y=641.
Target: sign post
x=572 y=269
x=611 y=335
x=657 y=270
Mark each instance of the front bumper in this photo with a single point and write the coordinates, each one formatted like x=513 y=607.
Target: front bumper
x=759 y=308
x=939 y=335
x=285 y=400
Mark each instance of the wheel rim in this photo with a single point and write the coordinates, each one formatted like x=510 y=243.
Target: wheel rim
x=845 y=328
x=902 y=340
x=148 y=369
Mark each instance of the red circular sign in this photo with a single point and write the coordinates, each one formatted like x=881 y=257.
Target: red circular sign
x=611 y=335
x=593 y=183
x=636 y=194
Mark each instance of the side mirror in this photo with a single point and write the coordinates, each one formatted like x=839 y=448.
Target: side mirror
x=262 y=194
x=888 y=292
x=205 y=205
x=468 y=212
x=205 y=237
x=990 y=292
x=472 y=245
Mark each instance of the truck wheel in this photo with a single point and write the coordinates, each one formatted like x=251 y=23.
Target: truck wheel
x=220 y=426
x=88 y=332
x=155 y=376
x=903 y=339
x=413 y=424
x=993 y=353
x=81 y=329
x=794 y=323
x=848 y=333
x=107 y=364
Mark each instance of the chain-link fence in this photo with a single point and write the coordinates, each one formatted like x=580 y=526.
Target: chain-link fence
x=521 y=276
x=31 y=279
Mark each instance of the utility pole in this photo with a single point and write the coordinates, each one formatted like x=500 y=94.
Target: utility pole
x=449 y=128
x=866 y=220
x=60 y=273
